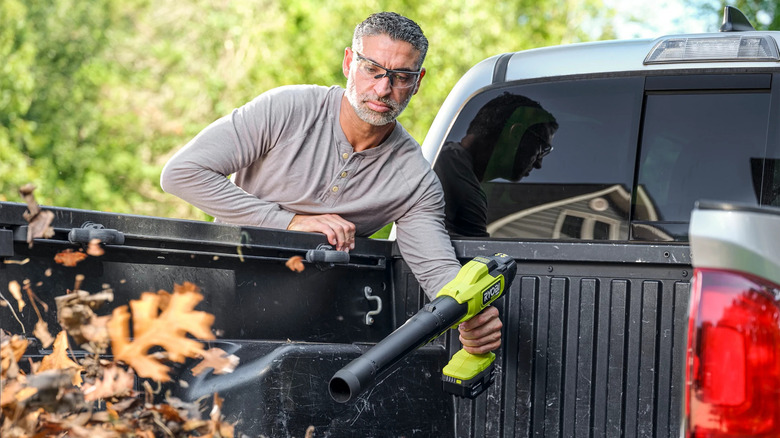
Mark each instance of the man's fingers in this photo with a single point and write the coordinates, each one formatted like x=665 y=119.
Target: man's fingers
x=482 y=333
x=344 y=230
x=482 y=349
x=339 y=231
x=489 y=314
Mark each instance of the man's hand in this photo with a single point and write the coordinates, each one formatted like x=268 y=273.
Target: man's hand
x=482 y=333
x=339 y=231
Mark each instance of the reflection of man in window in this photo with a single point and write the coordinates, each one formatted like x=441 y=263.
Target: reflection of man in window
x=507 y=139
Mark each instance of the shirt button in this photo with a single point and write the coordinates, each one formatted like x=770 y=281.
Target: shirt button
x=335 y=189
x=345 y=155
x=343 y=174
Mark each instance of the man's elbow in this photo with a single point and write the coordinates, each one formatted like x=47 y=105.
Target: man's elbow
x=171 y=178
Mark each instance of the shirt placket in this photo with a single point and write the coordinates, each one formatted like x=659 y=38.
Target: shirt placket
x=338 y=185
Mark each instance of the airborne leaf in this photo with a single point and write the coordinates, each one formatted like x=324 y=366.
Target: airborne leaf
x=12 y=349
x=69 y=257
x=41 y=332
x=59 y=360
x=295 y=263
x=167 y=328
x=114 y=383
x=16 y=292
x=217 y=359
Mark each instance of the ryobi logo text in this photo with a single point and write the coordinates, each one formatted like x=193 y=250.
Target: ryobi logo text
x=491 y=293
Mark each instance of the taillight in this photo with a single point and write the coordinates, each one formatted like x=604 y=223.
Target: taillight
x=733 y=381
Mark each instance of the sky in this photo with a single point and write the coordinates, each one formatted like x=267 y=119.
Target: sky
x=657 y=18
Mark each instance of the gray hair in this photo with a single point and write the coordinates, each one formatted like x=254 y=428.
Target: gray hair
x=396 y=26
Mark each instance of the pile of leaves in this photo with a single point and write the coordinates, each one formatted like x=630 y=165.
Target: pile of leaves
x=94 y=396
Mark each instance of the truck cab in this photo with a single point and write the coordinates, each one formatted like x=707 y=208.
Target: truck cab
x=612 y=141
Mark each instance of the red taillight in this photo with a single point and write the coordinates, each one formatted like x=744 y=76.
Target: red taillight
x=733 y=384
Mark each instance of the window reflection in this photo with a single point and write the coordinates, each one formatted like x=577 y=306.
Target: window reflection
x=543 y=161
x=506 y=140
x=715 y=144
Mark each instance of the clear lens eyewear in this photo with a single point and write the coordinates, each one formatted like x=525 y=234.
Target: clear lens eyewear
x=546 y=147
x=398 y=78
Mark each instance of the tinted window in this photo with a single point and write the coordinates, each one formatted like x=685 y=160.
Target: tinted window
x=546 y=161
x=701 y=145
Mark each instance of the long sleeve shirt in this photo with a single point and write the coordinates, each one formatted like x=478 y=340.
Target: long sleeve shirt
x=287 y=154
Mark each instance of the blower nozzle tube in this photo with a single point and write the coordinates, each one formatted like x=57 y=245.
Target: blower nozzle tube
x=427 y=324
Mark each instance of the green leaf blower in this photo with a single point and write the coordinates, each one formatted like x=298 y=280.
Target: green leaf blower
x=478 y=283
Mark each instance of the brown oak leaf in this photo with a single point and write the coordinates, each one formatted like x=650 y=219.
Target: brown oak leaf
x=167 y=329
x=59 y=360
x=69 y=257
x=218 y=360
x=295 y=263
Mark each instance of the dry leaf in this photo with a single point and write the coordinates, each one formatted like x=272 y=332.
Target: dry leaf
x=94 y=248
x=39 y=220
x=40 y=226
x=9 y=391
x=42 y=333
x=216 y=427
x=12 y=349
x=295 y=263
x=218 y=360
x=16 y=291
x=77 y=282
x=25 y=393
x=17 y=262
x=33 y=298
x=167 y=329
x=115 y=382
x=169 y=412
x=59 y=360
x=165 y=298
x=75 y=314
x=69 y=257
x=96 y=331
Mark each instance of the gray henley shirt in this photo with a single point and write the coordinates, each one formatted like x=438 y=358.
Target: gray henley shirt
x=288 y=155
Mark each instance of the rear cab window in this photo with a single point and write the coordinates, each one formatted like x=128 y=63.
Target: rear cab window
x=613 y=158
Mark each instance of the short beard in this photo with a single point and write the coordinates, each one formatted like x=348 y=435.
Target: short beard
x=367 y=114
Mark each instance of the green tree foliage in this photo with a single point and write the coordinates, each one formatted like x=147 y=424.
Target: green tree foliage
x=763 y=14
x=96 y=96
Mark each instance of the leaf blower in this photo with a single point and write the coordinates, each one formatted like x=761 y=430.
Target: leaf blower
x=478 y=283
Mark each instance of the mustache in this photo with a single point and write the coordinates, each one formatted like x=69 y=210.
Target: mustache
x=385 y=100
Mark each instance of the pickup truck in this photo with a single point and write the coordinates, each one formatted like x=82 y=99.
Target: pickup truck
x=588 y=183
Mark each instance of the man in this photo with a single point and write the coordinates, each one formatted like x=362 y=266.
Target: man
x=334 y=161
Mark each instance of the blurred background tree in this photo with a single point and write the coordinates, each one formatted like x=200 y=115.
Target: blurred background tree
x=96 y=96
x=763 y=14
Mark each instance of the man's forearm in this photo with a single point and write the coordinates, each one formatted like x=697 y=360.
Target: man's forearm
x=217 y=196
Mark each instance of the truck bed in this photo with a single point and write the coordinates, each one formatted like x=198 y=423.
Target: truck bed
x=593 y=340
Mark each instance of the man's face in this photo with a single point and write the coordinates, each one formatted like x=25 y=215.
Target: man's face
x=379 y=101
x=534 y=146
